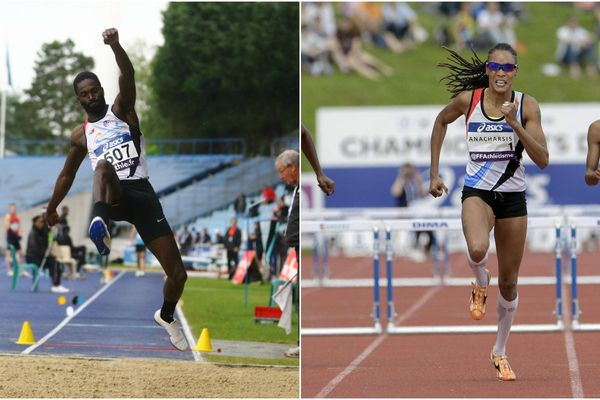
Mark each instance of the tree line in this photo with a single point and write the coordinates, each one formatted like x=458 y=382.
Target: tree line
x=224 y=70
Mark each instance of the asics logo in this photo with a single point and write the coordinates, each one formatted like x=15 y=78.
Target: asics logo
x=489 y=128
x=112 y=144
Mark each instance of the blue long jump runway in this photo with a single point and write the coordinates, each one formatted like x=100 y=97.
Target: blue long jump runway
x=115 y=320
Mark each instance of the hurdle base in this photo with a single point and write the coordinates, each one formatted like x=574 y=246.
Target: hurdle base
x=588 y=327
x=408 y=330
x=374 y=330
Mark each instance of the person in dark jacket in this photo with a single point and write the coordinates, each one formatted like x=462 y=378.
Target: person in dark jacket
x=37 y=246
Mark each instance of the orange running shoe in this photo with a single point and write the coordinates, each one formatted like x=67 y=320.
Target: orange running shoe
x=478 y=298
x=505 y=372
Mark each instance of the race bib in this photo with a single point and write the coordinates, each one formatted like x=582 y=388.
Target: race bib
x=120 y=152
x=491 y=141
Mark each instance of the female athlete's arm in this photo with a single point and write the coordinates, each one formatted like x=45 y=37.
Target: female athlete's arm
x=531 y=135
x=592 y=173
x=457 y=107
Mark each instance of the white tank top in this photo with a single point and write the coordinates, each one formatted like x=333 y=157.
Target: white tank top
x=495 y=151
x=119 y=143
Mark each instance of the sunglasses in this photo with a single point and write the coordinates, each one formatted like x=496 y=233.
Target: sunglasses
x=494 y=66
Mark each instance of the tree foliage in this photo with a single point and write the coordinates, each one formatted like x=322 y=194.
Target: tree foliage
x=51 y=92
x=229 y=70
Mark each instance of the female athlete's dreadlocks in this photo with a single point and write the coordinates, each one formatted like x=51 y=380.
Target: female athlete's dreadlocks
x=467 y=75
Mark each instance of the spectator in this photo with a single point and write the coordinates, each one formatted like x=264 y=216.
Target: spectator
x=206 y=236
x=495 y=27
x=256 y=241
x=240 y=205
x=233 y=241
x=37 y=246
x=315 y=50
x=185 y=241
x=12 y=227
x=400 y=20
x=576 y=47
x=268 y=194
x=349 y=56
x=408 y=187
x=219 y=239
x=197 y=239
x=464 y=28
x=63 y=238
x=323 y=11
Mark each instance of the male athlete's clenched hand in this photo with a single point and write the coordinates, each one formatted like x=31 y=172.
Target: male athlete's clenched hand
x=110 y=36
x=51 y=217
x=437 y=187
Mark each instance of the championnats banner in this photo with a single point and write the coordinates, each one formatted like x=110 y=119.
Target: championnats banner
x=361 y=149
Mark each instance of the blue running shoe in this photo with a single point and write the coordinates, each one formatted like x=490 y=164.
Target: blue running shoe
x=100 y=236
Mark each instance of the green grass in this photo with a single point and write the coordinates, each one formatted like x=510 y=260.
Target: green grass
x=218 y=305
x=248 y=360
x=417 y=78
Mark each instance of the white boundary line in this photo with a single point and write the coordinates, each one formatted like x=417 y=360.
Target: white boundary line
x=367 y=352
x=188 y=334
x=69 y=318
x=574 y=375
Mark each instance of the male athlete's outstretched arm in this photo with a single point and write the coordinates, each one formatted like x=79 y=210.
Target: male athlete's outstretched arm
x=457 y=107
x=592 y=172
x=308 y=148
x=125 y=100
x=65 y=179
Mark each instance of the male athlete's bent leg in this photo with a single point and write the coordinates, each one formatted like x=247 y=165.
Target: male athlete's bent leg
x=106 y=191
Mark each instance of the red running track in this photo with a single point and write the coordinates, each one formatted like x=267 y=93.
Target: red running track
x=560 y=364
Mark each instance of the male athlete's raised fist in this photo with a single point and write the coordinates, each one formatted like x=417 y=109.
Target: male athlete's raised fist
x=110 y=36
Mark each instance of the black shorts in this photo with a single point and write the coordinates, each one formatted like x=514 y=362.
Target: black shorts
x=140 y=207
x=16 y=243
x=140 y=247
x=503 y=204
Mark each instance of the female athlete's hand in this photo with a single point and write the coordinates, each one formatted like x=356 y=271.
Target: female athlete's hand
x=110 y=36
x=509 y=110
x=437 y=187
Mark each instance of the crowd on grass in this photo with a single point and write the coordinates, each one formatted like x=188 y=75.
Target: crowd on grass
x=336 y=36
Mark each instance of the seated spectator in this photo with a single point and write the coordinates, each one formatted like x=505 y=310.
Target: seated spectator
x=495 y=27
x=185 y=241
x=197 y=240
x=315 y=50
x=240 y=205
x=63 y=238
x=401 y=21
x=206 y=236
x=575 y=47
x=219 y=239
x=349 y=55
x=464 y=28
x=37 y=246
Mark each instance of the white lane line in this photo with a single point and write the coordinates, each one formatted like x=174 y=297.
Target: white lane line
x=112 y=326
x=358 y=360
x=76 y=313
x=188 y=334
x=574 y=375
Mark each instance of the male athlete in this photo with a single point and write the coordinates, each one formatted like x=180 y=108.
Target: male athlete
x=112 y=139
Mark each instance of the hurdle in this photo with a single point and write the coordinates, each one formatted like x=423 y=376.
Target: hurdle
x=574 y=223
x=354 y=226
x=455 y=224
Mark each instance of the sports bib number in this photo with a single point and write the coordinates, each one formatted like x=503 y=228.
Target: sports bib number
x=120 y=152
x=489 y=141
